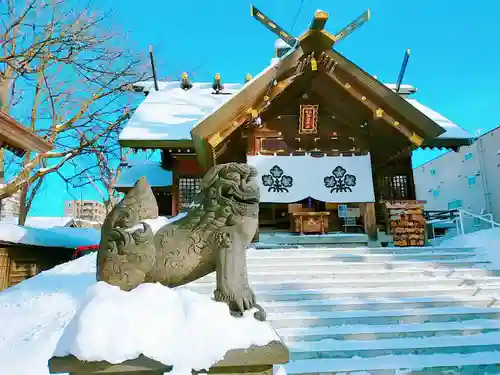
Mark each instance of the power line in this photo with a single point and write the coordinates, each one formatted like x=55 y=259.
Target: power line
x=297 y=15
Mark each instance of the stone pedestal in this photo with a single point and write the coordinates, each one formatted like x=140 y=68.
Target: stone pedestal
x=252 y=361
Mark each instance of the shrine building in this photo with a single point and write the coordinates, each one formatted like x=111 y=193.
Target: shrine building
x=326 y=137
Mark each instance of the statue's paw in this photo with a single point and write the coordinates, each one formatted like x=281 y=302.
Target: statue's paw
x=238 y=301
x=260 y=315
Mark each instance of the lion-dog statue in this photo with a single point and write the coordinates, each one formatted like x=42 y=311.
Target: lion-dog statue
x=213 y=236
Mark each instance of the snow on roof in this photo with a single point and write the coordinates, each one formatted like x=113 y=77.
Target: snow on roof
x=403 y=89
x=156 y=176
x=453 y=131
x=44 y=222
x=69 y=238
x=38 y=310
x=280 y=43
x=171 y=112
x=40 y=221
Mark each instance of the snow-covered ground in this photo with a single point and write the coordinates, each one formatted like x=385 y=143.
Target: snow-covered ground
x=34 y=315
x=174 y=326
x=486 y=242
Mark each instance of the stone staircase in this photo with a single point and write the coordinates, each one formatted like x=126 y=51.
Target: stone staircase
x=379 y=310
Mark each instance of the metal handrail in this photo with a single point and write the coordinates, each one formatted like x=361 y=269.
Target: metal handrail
x=462 y=213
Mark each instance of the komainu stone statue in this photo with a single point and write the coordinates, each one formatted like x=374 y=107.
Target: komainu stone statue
x=212 y=237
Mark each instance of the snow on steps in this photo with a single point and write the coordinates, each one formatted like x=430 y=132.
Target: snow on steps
x=374 y=311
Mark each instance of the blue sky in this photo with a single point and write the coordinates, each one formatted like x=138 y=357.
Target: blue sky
x=453 y=63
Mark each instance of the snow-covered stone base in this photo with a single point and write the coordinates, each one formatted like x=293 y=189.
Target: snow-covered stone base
x=175 y=327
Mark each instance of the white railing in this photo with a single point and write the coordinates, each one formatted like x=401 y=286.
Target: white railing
x=485 y=218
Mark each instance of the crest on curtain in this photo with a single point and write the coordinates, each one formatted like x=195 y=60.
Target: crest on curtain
x=340 y=181
x=276 y=181
x=308 y=119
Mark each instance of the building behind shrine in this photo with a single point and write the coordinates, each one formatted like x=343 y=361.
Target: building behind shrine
x=325 y=136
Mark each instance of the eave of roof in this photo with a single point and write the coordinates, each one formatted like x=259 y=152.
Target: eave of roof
x=19 y=137
x=394 y=101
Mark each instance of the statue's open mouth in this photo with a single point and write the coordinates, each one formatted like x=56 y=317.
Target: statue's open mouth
x=247 y=196
x=246 y=200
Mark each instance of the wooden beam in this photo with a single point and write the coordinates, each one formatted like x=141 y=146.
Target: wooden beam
x=17 y=136
x=386 y=97
x=245 y=98
x=319 y=20
x=258 y=107
x=5 y=264
x=378 y=112
x=175 y=188
x=339 y=108
x=370 y=221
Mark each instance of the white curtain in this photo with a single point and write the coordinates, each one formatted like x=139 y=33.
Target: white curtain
x=334 y=179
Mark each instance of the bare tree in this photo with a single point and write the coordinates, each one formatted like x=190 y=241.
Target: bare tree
x=102 y=168
x=67 y=77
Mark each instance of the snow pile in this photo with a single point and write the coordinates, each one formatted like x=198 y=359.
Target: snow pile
x=173 y=326
x=36 y=312
x=486 y=242
x=50 y=237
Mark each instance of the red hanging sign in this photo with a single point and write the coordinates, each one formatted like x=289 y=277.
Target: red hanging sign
x=308 y=119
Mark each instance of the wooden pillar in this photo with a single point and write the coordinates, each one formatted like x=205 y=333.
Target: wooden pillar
x=252 y=149
x=370 y=221
x=175 y=188
x=4 y=269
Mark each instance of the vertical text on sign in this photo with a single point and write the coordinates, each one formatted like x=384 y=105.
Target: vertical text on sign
x=308 y=122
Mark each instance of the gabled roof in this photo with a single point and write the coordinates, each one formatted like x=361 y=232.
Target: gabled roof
x=453 y=132
x=173 y=129
x=19 y=138
x=406 y=116
x=166 y=117
x=172 y=117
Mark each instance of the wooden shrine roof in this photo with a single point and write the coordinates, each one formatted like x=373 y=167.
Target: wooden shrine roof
x=19 y=138
x=408 y=116
x=172 y=117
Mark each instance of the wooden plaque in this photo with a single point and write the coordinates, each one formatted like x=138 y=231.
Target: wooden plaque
x=308 y=119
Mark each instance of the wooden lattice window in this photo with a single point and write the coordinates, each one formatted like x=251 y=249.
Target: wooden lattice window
x=189 y=187
x=400 y=187
x=394 y=187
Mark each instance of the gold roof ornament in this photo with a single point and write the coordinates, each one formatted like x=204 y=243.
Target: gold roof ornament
x=185 y=83
x=317 y=25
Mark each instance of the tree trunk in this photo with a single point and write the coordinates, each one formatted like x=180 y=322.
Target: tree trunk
x=23 y=211
x=110 y=203
x=23 y=203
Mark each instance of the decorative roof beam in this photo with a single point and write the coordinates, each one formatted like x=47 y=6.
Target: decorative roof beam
x=253 y=112
x=20 y=137
x=319 y=20
x=378 y=112
x=385 y=96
